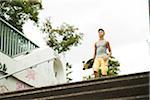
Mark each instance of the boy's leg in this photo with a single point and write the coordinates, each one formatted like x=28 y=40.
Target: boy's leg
x=96 y=65
x=104 y=67
x=96 y=74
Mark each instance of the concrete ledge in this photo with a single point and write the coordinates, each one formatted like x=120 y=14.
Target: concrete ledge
x=124 y=86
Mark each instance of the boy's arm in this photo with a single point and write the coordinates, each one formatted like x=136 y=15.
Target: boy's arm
x=94 y=51
x=109 y=49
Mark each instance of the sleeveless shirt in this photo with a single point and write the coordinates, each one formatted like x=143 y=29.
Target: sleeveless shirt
x=101 y=50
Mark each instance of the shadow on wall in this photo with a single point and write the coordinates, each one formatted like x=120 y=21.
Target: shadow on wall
x=59 y=71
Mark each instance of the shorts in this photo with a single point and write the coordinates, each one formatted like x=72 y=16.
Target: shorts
x=101 y=63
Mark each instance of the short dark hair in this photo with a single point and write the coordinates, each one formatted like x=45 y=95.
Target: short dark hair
x=101 y=30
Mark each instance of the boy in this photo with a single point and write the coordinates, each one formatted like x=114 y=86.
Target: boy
x=101 y=55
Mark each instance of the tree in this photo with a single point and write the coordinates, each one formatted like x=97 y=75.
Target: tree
x=16 y=12
x=68 y=72
x=113 y=66
x=61 y=39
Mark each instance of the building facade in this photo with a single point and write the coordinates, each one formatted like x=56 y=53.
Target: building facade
x=23 y=64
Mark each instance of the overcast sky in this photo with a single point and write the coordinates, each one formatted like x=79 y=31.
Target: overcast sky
x=126 y=23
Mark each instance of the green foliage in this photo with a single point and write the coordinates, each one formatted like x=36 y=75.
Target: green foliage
x=68 y=72
x=62 y=38
x=113 y=66
x=16 y=12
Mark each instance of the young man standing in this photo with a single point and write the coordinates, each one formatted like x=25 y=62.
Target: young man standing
x=101 y=55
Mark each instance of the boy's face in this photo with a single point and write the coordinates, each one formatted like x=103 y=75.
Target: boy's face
x=101 y=34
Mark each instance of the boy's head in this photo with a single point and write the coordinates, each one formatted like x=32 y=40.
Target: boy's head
x=101 y=32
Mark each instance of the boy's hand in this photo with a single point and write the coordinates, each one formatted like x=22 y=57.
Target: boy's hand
x=109 y=54
x=106 y=58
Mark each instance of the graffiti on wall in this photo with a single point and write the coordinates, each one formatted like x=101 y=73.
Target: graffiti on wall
x=30 y=74
x=3 y=67
x=3 y=89
x=20 y=86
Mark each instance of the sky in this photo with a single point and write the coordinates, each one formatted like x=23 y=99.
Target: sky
x=126 y=24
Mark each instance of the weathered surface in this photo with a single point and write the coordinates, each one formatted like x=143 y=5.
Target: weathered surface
x=125 y=87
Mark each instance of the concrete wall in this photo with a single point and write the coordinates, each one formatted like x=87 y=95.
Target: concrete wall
x=40 y=67
x=11 y=84
x=148 y=42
